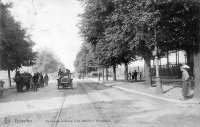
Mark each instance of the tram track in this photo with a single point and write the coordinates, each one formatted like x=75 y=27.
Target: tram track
x=97 y=107
x=60 y=109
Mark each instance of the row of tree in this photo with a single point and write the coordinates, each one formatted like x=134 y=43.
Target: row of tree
x=47 y=62
x=119 y=32
x=15 y=44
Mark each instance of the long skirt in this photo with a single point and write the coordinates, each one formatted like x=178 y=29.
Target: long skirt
x=185 y=89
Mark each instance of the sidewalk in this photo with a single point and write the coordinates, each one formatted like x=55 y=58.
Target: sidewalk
x=172 y=90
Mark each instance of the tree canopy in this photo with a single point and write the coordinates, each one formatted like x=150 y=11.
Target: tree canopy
x=16 y=46
x=85 y=60
x=125 y=30
x=47 y=62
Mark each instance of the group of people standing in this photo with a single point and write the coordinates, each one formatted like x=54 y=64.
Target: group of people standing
x=134 y=75
x=30 y=82
x=38 y=81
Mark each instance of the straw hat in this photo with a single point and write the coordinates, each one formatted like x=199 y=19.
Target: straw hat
x=185 y=66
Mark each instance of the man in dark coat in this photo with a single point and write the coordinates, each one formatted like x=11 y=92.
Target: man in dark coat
x=135 y=75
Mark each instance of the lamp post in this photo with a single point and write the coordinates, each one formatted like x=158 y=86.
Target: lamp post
x=159 y=89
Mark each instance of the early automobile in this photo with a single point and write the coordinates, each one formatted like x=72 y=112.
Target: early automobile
x=65 y=82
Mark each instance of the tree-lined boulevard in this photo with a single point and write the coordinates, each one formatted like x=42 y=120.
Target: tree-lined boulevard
x=114 y=33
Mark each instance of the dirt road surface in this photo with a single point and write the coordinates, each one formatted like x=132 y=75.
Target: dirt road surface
x=92 y=105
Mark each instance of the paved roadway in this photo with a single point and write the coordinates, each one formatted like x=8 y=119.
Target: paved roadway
x=92 y=105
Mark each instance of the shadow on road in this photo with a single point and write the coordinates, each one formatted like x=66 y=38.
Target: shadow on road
x=171 y=89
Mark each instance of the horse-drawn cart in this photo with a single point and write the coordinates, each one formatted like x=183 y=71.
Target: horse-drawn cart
x=65 y=82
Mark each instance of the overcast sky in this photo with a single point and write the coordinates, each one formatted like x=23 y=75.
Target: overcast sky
x=52 y=24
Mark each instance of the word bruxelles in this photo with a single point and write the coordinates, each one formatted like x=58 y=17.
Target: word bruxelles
x=68 y=121
x=8 y=120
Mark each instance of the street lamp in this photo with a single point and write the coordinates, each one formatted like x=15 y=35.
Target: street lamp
x=159 y=89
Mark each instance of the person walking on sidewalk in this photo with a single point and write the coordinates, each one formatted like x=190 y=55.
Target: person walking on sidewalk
x=185 y=81
x=135 y=75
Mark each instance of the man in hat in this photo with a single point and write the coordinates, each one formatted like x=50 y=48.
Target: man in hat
x=185 y=81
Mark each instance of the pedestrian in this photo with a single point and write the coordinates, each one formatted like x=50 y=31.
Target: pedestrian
x=46 y=79
x=140 y=75
x=132 y=75
x=185 y=81
x=129 y=75
x=32 y=84
x=41 y=80
x=35 y=81
x=18 y=80
x=135 y=75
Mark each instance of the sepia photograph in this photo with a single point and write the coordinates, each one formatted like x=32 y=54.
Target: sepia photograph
x=99 y=63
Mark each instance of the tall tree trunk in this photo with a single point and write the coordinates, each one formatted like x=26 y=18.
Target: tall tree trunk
x=86 y=72
x=168 y=73
x=176 y=64
x=190 y=61
x=9 y=78
x=197 y=75
x=126 y=72
x=103 y=74
x=147 y=67
x=114 y=73
x=178 y=57
x=98 y=74
x=106 y=73
x=0 y=55
x=1 y=48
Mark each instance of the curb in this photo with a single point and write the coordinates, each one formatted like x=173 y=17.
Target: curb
x=153 y=96
x=9 y=88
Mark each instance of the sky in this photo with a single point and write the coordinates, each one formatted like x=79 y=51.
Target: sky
x=52 y=24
